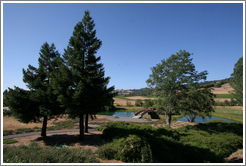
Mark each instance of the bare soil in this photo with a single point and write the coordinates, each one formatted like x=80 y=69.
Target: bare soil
x=10 y=123
x=224 y=89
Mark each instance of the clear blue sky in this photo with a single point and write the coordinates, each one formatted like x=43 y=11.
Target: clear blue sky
x=135 y=37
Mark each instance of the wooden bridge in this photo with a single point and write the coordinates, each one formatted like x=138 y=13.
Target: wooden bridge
x=139 y=114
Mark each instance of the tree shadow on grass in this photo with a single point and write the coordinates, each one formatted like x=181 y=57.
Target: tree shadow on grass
x=91 y=139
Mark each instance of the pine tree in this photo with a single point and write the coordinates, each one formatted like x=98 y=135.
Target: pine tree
x=236 y=81
x=39 y=81
x=81 y=85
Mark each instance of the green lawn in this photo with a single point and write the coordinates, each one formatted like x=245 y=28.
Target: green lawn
x=229 y=113
x=224 y=96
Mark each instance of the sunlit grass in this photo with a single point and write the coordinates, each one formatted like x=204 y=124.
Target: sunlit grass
x=229 y=113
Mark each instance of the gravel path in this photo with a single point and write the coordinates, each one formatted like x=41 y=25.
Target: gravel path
x=91 y=127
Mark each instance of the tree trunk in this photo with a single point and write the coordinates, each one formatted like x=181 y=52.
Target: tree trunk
x=86 y=123
x=168 y=119
x=81 y=126
x=43 y=132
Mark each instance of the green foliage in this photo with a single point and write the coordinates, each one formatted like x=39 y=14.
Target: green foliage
x=133 y=149
x=148 y=103
x=81 y=85
x=28 y=154
x=106 y=151
x=236 y=81
x=174 y=79
x=138 y=103
x=8 y=132
x=220 y=137
x=224 y=96
x=9 y=141
x=208 y=142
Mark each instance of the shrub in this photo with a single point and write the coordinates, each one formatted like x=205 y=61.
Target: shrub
x=138 y=103
x=233 y=102
x=132 y=149
x=227 y=103
x=28 y=154
x=8 y=132
x=107 y=151
x=9 y=141
x=148 y=103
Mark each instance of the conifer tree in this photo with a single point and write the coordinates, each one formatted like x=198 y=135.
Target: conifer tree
x=81 y=84
x=236 y=81
x=39 y=81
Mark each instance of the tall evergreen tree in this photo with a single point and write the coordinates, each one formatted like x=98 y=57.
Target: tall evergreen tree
x=81 y=85
x=236 y=81
x=39 y=81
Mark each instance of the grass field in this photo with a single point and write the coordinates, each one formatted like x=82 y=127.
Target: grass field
x=224 y=96
x=232 y=113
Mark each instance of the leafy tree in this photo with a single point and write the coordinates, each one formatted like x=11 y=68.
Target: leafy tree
x=40 y=100
x=80 y=84
x=236 y=81
x=196 y=102
x=170 y=79
x=148 y=103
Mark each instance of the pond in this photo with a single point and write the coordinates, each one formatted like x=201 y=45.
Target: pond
x=117 y=113
x=199 y=119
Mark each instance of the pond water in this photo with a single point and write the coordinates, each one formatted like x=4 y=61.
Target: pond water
x=199 y=119
x=117 y=113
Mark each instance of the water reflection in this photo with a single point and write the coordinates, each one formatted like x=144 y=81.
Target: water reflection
x=117 y=113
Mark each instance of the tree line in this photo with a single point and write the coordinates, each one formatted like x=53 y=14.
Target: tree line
x=72 y=84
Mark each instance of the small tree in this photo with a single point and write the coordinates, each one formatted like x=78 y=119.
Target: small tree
x=236 y=81
x=170 y=79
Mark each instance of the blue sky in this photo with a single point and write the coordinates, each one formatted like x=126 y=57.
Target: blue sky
x=135 y=36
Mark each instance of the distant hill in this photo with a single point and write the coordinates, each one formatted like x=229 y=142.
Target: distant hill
x=148 y=91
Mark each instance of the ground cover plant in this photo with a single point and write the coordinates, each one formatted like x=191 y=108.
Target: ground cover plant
x=28 y=154
x=208 y=142
x=9 y=141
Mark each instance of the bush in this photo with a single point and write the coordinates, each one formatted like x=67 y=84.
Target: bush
x=8 y=132
x=133 y=149
x=9 y=141
x=148 y=103
x=227 y=103
x=138 y=103
x=107 y=151
x=233 y=102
